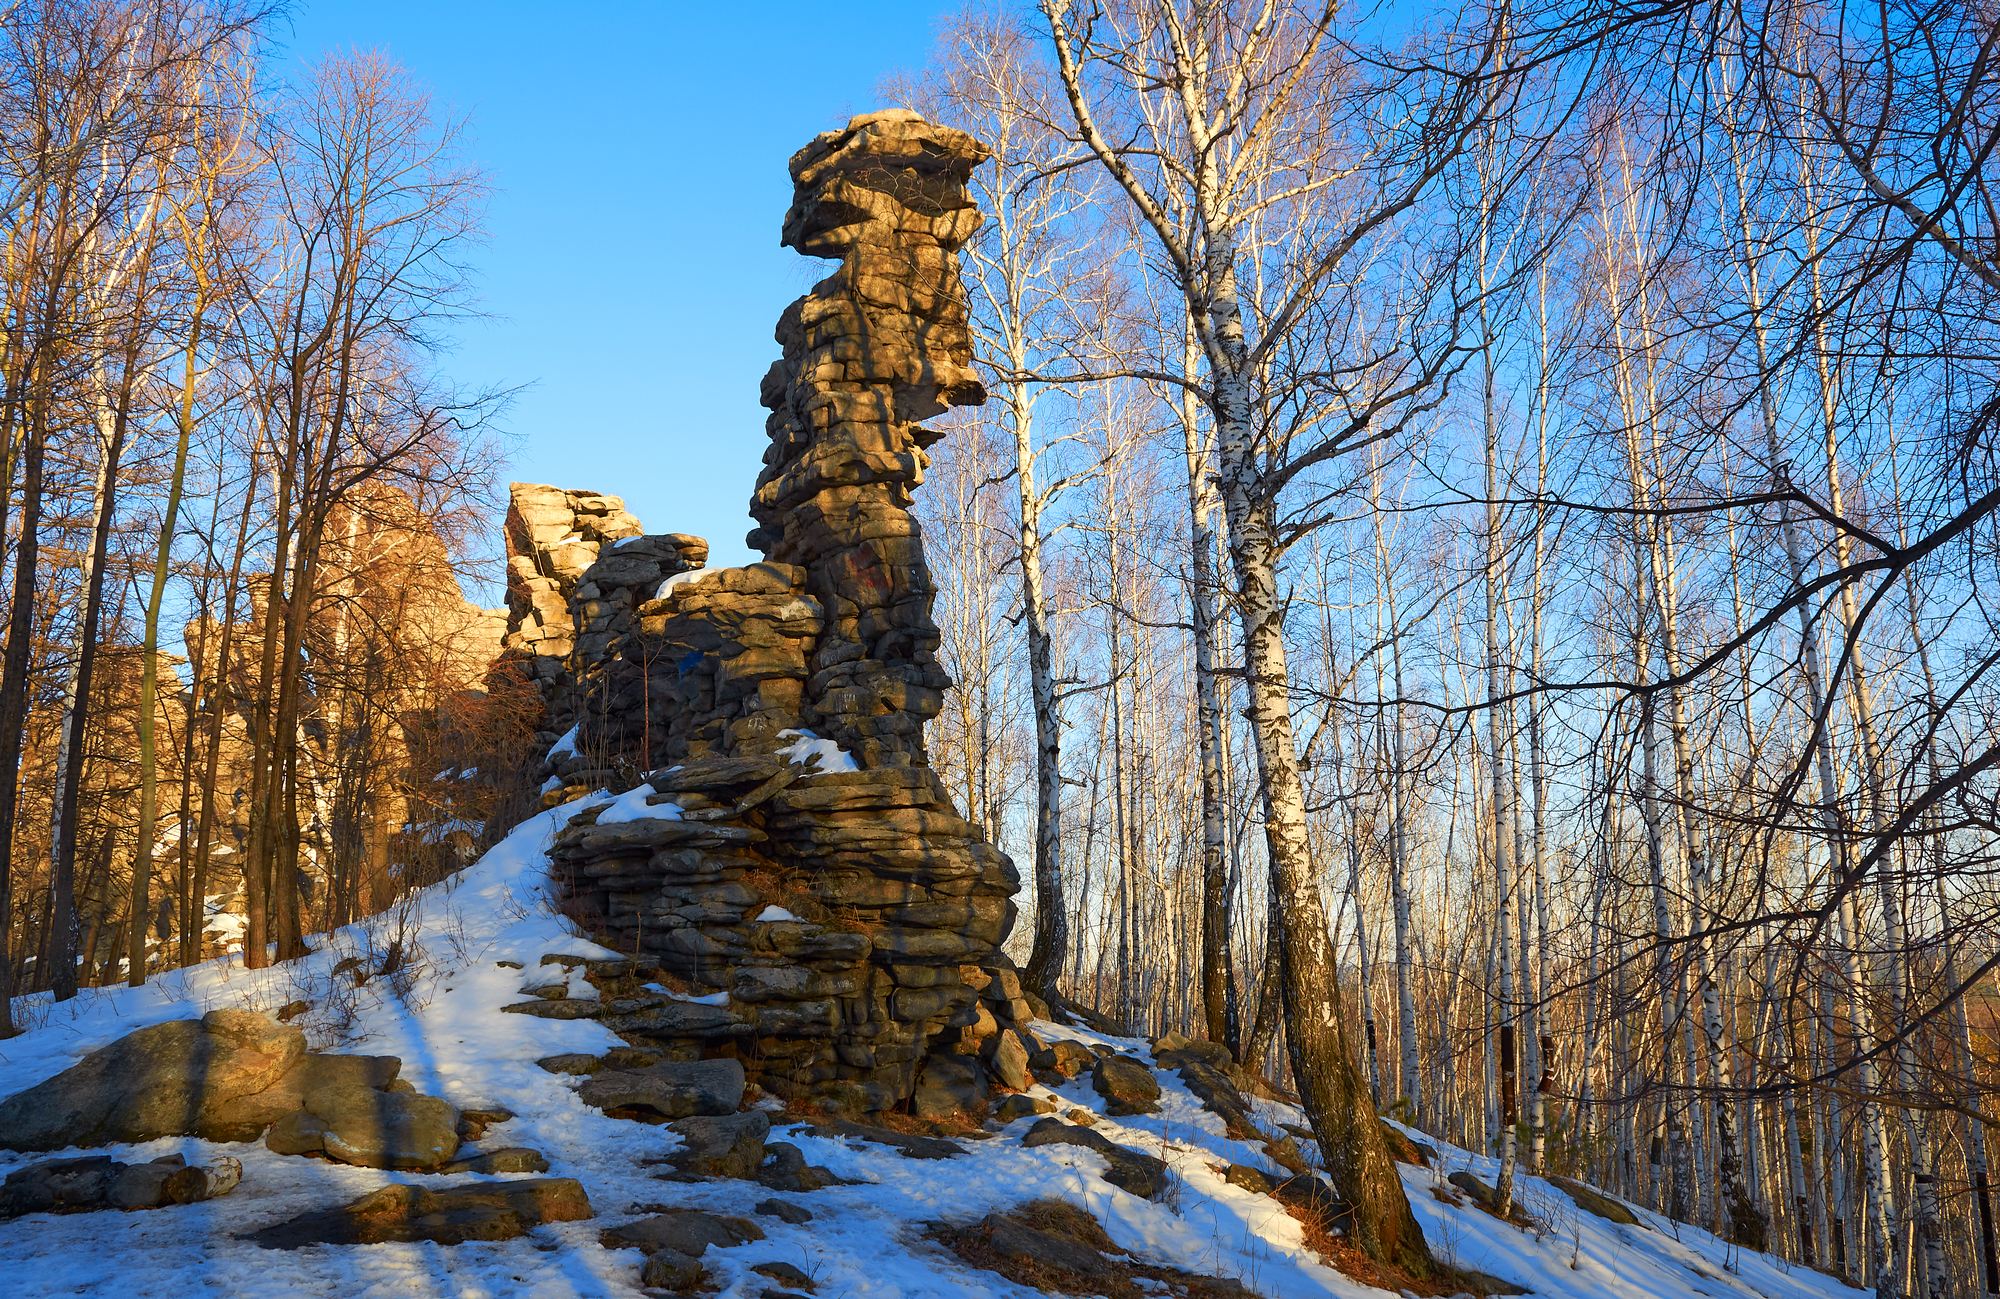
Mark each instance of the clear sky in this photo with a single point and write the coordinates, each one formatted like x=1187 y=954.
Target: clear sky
x=633 y=274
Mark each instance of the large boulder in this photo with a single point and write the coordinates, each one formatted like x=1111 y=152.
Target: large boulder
x=1127 y=1086
x=949 y=1085
x=218 y=1077
x=387 y=1129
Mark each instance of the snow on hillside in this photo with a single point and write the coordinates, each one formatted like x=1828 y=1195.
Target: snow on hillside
x=442 y=1017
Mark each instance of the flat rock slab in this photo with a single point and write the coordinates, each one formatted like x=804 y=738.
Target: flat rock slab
x=910 y=1145
x=448 y=1216
x=1143 y=1175
x=508 y=1159
x=559 y=1008
x=671 y=1089
x=1591 y=1200
x=686 y=1231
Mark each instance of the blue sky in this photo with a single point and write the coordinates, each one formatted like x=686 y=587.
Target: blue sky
x=633 y=274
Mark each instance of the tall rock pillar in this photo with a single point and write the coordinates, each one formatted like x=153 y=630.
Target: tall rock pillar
x=793 y=867
x=876 y=348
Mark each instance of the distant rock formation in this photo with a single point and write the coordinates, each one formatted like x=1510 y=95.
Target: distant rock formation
x=553 y=537
x=792 y=865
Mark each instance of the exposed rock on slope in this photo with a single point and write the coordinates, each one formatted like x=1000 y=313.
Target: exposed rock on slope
x=229 y=1076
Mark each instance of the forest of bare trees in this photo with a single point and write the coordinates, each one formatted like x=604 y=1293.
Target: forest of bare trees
x=1477 y=585
x=1481 y=574
x=230 y=461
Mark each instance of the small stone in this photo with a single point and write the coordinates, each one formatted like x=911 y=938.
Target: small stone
x=473 y=1120
x=783 y=1273
x=629 y=1057
x=570 y=1062
x=507 y=1159
x=1285 y=1153
x=668 y=1270
x=291 y=1010
x=784 y=1211
x=785 y=1169
x=1250 y=1179
x=1021 y=1105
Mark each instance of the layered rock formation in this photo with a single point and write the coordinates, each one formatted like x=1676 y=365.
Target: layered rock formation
x=878 y=346
x=794 y=869
x=553 y=537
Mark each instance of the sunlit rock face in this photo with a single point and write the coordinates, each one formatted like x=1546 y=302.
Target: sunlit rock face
x=797 y=874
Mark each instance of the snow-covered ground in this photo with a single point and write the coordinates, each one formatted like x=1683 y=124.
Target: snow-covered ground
x=443 y=1019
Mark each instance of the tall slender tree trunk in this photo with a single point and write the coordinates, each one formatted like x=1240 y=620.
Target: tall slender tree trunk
x=1379 y=1219
x=1051 y=941
x=1503 y=818
x=149 y=671
x=1409 y=1080
x=1215 y=971
x=14 y=663
x=111 y=417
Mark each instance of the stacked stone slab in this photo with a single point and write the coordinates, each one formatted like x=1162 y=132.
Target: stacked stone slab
x=814 y=902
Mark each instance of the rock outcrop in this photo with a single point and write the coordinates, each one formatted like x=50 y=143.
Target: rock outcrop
x=791 y=866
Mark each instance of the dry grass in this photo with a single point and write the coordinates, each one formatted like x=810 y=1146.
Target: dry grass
x=1306 y=1200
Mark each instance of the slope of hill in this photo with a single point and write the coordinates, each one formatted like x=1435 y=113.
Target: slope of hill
x=890 y=1224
